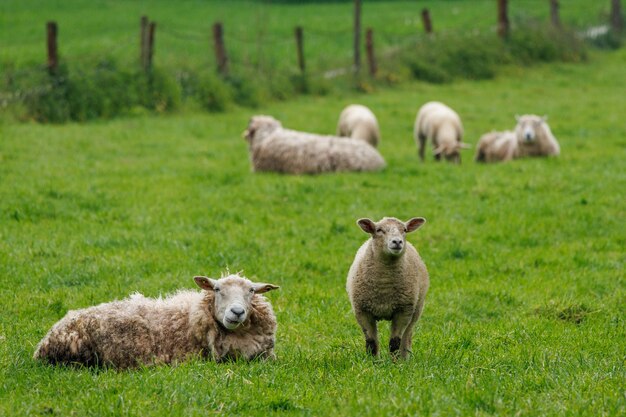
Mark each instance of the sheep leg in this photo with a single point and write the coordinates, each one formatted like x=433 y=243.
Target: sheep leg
x=422 y=140
x=407 y=337
x=370 y=330
x=399 y=326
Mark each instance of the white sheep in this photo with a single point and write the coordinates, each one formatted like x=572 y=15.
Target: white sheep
x=532 y=137
x=442 y=125
x=388 y=281
x=228 y=320
x=357 y=121
x=273 y=148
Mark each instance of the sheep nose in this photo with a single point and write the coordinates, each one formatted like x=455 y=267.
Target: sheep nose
x=237 y=311
x=396 y=242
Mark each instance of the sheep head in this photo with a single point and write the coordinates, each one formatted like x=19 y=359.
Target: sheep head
x=450 y=144
x=233 y=297
x=259 y=127
x=528 y=127
x=389 y=234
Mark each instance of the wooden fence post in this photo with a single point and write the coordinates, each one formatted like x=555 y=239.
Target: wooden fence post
x=554 y=13
x=617 y=20
x=150 y=45
x=300 y=47
x=503 y=19
x=143 y=42
x=369 y=48
x=220 y=50
x=357 y=35
x=428 y=24
x=53 y=59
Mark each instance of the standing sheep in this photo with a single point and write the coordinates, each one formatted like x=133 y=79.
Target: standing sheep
x=228 y=320
x=357 y=121
x=532 y=137
x=442 y=125
x=388 y=281
x=273 y=148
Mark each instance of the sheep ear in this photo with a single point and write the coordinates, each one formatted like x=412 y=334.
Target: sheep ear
x=463 y=145
x=205 y=283
x=260 y=288
x=249 y=132
x=414 y=224
x=253 y=125
x=367 y=225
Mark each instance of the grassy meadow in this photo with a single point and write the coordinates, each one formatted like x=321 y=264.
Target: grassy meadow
x=257 y=33
x=526 y=310
x=99 y=76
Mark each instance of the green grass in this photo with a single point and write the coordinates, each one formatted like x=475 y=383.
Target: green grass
x=526 y=310
x=99 y=75
x=258 y=34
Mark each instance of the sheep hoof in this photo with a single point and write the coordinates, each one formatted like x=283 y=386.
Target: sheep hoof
x=394 y=344
x=371 y=347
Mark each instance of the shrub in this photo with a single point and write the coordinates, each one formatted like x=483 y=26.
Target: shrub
x=212 y=93
x=536 y=43
x=45 y=96
x=246 y=91
x=103 y=92
x=609 y=40
x=441 y=59
x=161 y=92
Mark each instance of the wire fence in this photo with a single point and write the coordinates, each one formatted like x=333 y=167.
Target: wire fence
x=327 y=52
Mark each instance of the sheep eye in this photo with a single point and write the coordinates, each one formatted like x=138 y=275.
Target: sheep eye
x=216 y=289
x=251 y=290
x=379 y=230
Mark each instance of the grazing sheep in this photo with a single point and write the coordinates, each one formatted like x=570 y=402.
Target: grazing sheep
x=228 y=320
x=388 y=281
x=442 y=125
x=273 y=148
x=357 y=121
x=532 y=137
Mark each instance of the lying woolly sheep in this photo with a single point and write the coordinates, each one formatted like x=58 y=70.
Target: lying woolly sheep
x=357 y=121
x=532 y=137
x=273 y=148
x=388 y=281
x=228 y=320
x=442 y=125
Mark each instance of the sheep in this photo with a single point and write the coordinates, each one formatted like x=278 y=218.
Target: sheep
x=388 y=281
x=229 y=319
x=357 y=121
x=442 y=125
x=532 y=137
x=496 y=146
x=273 y=148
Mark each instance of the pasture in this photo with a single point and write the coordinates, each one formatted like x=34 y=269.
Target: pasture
x=526 y=309
x=256 y=32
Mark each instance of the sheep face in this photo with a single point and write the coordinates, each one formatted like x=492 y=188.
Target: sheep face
x=389 y=234
x=233 y=297
x=450 y=153
x=527 y=128
x=260 y=127
x=450 y=144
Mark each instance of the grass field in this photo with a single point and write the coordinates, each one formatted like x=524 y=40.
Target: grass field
x=526 y=310
x=99 y=76
x=256 y=33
